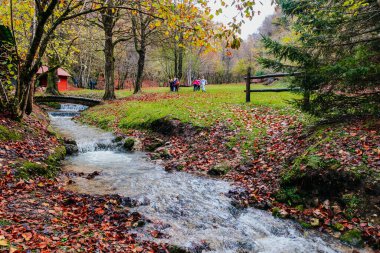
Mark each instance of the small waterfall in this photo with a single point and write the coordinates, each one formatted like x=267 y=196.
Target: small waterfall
x=88 y=139
x=73 y=107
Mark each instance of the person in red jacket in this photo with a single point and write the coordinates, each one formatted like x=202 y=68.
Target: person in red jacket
x=176 y=84
x=196 y=84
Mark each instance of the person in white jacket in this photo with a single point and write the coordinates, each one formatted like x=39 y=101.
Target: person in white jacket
x=203 y=84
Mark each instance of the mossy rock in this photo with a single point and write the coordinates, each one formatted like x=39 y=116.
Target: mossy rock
x=163 y=153
x=353 y=237
x=129 y=143
x=220 y=169
x=276 y=212
x=155 y=156
x=57 y=156
x=154 y=144
x=9 y=135
x=118 y=139
x=176 y=249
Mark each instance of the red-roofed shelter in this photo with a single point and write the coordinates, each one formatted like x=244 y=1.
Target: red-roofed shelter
x=62 y=78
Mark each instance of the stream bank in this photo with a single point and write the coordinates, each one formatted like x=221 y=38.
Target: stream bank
x=38 y=215
x=326 y=178
x=181 y=209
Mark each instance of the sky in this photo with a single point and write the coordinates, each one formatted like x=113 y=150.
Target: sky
x=251 y=26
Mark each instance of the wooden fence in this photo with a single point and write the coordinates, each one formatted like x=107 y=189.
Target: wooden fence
x=249 y=78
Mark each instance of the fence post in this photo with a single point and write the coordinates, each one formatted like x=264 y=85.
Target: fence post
x=248 y=86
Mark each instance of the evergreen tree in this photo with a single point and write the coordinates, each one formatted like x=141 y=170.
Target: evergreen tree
x=337 y=52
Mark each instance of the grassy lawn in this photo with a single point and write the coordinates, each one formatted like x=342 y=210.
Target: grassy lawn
x=219 y=103
x=214 y=88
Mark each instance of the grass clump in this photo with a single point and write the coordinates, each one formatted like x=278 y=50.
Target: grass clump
x=353 y=237
x=352 y=203
x=5 y=223
x=288 y=195
x=29 y=170
x=9 y=135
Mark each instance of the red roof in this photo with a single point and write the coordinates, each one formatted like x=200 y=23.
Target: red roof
x=60 y=71
x=42 y=69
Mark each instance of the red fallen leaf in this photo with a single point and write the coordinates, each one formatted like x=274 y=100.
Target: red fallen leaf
x=42 y=245
x=99 y=211
x=138 y=249
x=55 y=220
x=27 y=236
x=155 y=233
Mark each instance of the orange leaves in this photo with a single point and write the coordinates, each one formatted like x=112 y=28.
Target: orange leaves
x=27 y=236
x=99 y=211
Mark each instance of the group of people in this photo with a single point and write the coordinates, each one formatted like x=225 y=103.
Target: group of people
x=198 y=84
x=174 y=84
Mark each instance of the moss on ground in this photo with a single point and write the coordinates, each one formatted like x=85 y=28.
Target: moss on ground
x=353 y=237
x=30 y=169
x=58 y=155
x=49 y=168
x=220 y=169
x=9 y=135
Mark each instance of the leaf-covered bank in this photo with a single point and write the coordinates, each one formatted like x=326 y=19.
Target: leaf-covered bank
x=37 y=215
x=325 y=176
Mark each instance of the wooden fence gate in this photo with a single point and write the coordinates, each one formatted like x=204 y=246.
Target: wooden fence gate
x=249 y=78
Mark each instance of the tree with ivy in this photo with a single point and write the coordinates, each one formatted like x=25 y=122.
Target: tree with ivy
x=337 y=51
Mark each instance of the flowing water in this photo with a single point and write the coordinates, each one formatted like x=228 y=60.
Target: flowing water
x=193 y=211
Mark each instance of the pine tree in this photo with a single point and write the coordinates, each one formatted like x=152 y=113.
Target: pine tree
x=337 y=52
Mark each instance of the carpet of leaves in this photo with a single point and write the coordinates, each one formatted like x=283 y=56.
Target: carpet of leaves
x=39 y=215
x=257 y=163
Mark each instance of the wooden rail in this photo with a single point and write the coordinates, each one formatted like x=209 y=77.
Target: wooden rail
x=248 y=82
x=275 y=90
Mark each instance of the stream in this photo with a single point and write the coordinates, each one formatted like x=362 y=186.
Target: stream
x=193 y=211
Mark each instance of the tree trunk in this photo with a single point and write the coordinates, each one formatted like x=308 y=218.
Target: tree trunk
x=109 y=68
x=29 y=104
x=175 y=60
x=180 y=57
x=52 y=83
x=140 y=71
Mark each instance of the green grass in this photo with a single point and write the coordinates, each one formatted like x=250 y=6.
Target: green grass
x=210 y=88
x=200 y=109
x=9 y=135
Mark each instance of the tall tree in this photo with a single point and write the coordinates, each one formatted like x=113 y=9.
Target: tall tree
x=108 y=16
x=144 y=31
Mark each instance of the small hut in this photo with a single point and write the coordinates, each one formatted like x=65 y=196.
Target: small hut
x=62 y=82
x=62 y=78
